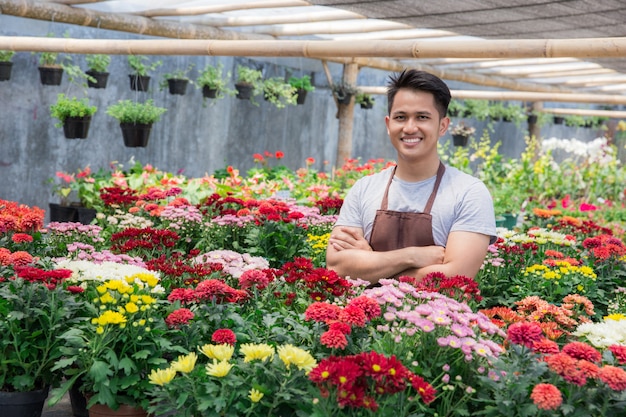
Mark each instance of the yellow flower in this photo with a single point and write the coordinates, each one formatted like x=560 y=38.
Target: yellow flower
x=107 y=298
x=131 y=308
x=146 y=299
x=255 y=395
x=110 y=317
x=290 y=354
x=221 y=352
x=161 y=376
x=615 y=316
x=256 y=352
x=185 y=364
x=218 y=369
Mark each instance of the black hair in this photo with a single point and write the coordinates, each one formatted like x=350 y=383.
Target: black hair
x=420 y=81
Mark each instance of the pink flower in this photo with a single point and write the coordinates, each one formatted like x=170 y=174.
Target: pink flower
x=546 y=397
x=322 y=312
x=224 y=336
x=525 y=333
x=619 y=352
x=334 y=339
x=614 y=377
x=580 y=350
x=179 y=317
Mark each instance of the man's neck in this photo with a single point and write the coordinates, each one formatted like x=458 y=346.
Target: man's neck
x=416 y=172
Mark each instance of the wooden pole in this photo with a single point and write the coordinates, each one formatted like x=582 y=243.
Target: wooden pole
x=346 y=117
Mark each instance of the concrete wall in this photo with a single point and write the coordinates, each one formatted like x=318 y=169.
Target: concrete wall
x=195 y=136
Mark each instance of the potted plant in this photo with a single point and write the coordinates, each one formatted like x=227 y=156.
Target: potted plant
x=6 y=65
x=303 y=86
x=36 y=310
x=136 y=120
x=74 y=115
x=461 y=133
x=278 y=92
x=248 y=83
x=98 y=74
x=50 y=71
x=478 y=109
x=177 y=81
x=213 y=82
x=365 y=100
x=456 y=108
x=343 y=92
x=141 y=66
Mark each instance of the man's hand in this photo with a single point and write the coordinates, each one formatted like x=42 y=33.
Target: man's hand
x=348 y=238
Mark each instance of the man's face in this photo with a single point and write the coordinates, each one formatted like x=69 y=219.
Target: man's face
x=414 y=125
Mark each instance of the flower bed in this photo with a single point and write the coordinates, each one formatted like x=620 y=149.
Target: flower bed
x=211 y=296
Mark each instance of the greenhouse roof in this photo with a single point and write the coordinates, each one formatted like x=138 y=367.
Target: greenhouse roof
x=445 y=26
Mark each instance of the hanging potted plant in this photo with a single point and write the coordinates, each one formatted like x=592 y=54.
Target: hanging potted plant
x=74 y=115
x=456 y=108
x=50 y=71
x=136 y=120
x=177 y=81
x=248 y=82
x=139 y=78
x=278 y=92
x=365 y=100
x=461 y=133
x=303 y=86
x=98 y=74
x=343 y=92
x=213 y=82
x=6 y=65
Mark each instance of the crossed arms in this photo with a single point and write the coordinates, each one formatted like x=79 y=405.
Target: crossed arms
x=349 y=254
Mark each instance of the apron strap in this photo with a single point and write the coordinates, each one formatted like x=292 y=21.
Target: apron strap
x=431 y=199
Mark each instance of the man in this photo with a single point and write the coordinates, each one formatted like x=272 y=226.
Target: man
x=419 y=216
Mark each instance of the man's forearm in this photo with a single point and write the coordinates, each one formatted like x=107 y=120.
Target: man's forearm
x=369 y=265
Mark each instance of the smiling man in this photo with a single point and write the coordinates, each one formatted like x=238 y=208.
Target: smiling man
x=419 y=216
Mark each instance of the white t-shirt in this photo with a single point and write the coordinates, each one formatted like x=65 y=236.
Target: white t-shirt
x=463 y=203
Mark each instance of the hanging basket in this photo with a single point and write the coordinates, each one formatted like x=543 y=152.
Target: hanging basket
x=136 y=135
x=177 y=86
x=460 y=140
x=51 y=75
x=76 y=127
x=60 y=213
x=558 y=120
x=139 y=82
x=100 y=410
x=301 y=96
x=101 y=79
x=244 y=91
x=208 y=92
x=5 y=70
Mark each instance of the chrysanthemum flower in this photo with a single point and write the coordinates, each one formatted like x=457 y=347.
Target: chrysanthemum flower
x=221 y=352
x=224 y=336
x=185 y=363
x=614 y=377
x=581 y=350
x=218 y=369
x=546 y=397
x=291 y=355
x=524 y=333
x=161 y=376
x=334 y=339
x=259 y=352
x=255 y=395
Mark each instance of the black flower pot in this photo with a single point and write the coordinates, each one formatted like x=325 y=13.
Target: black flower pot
x=558 y=120
x=367 y=105
x=85 y=215
x=301 y=96
x=460 y=140
x=532 y=119
x=177 y=86
x=51 y=75
x=20 y=404
x=244 y=91
x=5 y=70
x=209 y=92
x=139 y=82
x=76 y=127
x=101 y=79
x=343 y=98
x=136 y=135
x=59 y=213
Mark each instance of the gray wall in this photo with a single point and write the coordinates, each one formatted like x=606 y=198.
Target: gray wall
x=194 y=136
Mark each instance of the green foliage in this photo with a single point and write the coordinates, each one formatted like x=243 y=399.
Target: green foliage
x=479 y=109
x=574 y=120
x=302 y=83
x=179 y=74
x=343 y=90
x=71 y=107
x=141 y=64
x=249 y=76
x=279 y=93
x=456 y=108
x=98 y=62
x=363 y=98
x=5 y=56
x=128 y=111
x=48 y=59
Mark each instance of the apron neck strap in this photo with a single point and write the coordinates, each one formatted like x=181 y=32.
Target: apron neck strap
x=431 y=199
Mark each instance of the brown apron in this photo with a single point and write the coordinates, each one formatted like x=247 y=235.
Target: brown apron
x=396 y=230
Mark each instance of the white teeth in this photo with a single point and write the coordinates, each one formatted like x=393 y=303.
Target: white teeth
x=411 y=140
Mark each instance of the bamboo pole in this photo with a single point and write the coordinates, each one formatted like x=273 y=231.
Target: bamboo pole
x=612 y=114
x=346 y=117
x=221 y=8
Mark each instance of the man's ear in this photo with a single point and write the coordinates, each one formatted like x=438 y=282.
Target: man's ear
x=444 y=123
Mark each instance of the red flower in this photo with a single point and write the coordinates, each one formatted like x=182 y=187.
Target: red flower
x=619 y=351
x=423 y=388
x=370 y=307
x=353 y=315
x=340 y=326
x=322 y=312
x=21 y=238
x=546 y=397
x=253 y=278
x=614 y=377
x=224 y=336
x=334 y=339
x=545 y=346
x=280 y=155
x=580 y=350
x=179 y=317
x=525 y=333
